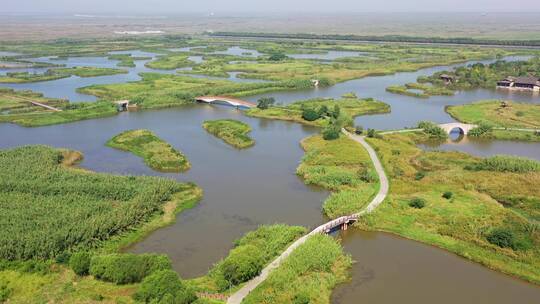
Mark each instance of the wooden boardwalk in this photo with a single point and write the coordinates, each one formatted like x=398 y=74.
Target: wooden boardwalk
x=239 y=296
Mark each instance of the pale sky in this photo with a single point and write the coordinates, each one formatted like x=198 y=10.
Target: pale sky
x=231 y=6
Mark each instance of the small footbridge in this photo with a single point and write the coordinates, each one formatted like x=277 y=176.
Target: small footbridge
x=237 y=103
x=341 y=222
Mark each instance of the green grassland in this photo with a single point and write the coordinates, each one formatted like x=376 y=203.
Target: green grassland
x=231 y=131
x=499 y=114
x=126 y=60
x=170 y=62
x=466 y=199
x=157 y=154
x=342 y=166
x=16 y=108
x=161 y=90
x=71 y=208
x=59 y=73
x=12 y=102
x=425 y=90
x=475 y=76
x=293 y=112
x=308 y=275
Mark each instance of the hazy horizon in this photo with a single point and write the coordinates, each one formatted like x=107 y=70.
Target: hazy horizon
x=169 y=7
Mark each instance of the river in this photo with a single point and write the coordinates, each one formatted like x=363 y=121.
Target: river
x=247 y=188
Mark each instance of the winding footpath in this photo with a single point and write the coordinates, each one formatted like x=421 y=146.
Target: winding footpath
x=239 y=296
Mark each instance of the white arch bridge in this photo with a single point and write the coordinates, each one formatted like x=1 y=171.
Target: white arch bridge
x=462 y=127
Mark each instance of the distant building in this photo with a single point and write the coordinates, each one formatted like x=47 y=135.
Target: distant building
x=520 y=83
x=447 y=78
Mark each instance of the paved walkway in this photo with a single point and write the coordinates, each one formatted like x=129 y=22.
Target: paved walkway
x=238 y=296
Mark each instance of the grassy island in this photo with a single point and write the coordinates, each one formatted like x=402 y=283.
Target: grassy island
x=170 y=62
x=486 y=210
x=157 y=154
x=232 y=131
x=500 y=119
x=419 y=90
x=126 y=60
x=342 y=166
x=498 y=113
x=352 y=107
x=58 y=73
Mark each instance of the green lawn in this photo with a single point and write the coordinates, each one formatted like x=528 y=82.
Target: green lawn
x=507 y=114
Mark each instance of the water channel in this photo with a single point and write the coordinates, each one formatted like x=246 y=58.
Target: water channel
x=244 y=189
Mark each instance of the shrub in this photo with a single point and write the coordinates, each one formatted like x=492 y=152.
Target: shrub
x=63 y=258
x=277 y=57
x=310 y=114
x=433 y=130
x=164 y=286
x=331 y=132
x=5 y=292
x=371 y=133
x=448 y=195
x=127 y=268
x=359 y=130
x=367 y=175
x=243 y=264
x=419 y=175
x=502 y=237
x=79 y=262
x=417 y=203
x=481 y=130
x=323 y=111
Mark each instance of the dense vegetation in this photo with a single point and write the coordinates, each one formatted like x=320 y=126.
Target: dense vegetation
x=49 y=209
x=248 y=257
x=432 y=130
x=480 y=75
x=481 y=201
x=308 y=275
x=419 y=90
x=126 y=60
x=342 y=166
x=231 y=131
x=503 y=163
x=157 y=154
x=58 y=73
x=319 y=112
x=170 y=62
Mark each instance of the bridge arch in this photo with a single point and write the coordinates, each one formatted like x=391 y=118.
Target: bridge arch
x=238 y=103
x=462 y=127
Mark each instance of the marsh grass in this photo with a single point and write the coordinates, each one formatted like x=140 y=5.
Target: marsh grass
x=231 y=131
x=342 y=166
x=482 y=200
x=309 y=274
x=157 y=154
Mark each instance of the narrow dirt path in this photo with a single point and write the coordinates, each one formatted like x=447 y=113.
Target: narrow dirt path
x=239 y=296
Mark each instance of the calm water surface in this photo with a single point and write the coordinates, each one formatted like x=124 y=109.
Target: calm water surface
x=246 y=188
x=390 y=269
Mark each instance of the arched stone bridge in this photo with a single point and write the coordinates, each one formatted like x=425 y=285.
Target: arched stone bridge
x=463 y=128
x=238 y=103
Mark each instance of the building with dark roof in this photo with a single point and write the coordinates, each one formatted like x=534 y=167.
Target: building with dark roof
x=520 y=83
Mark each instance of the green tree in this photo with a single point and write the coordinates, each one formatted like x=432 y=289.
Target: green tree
x=310 y=114
x=243 y=264
x=277 y=57
x=502 y=237
x=164 y=286
x=265 y=102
